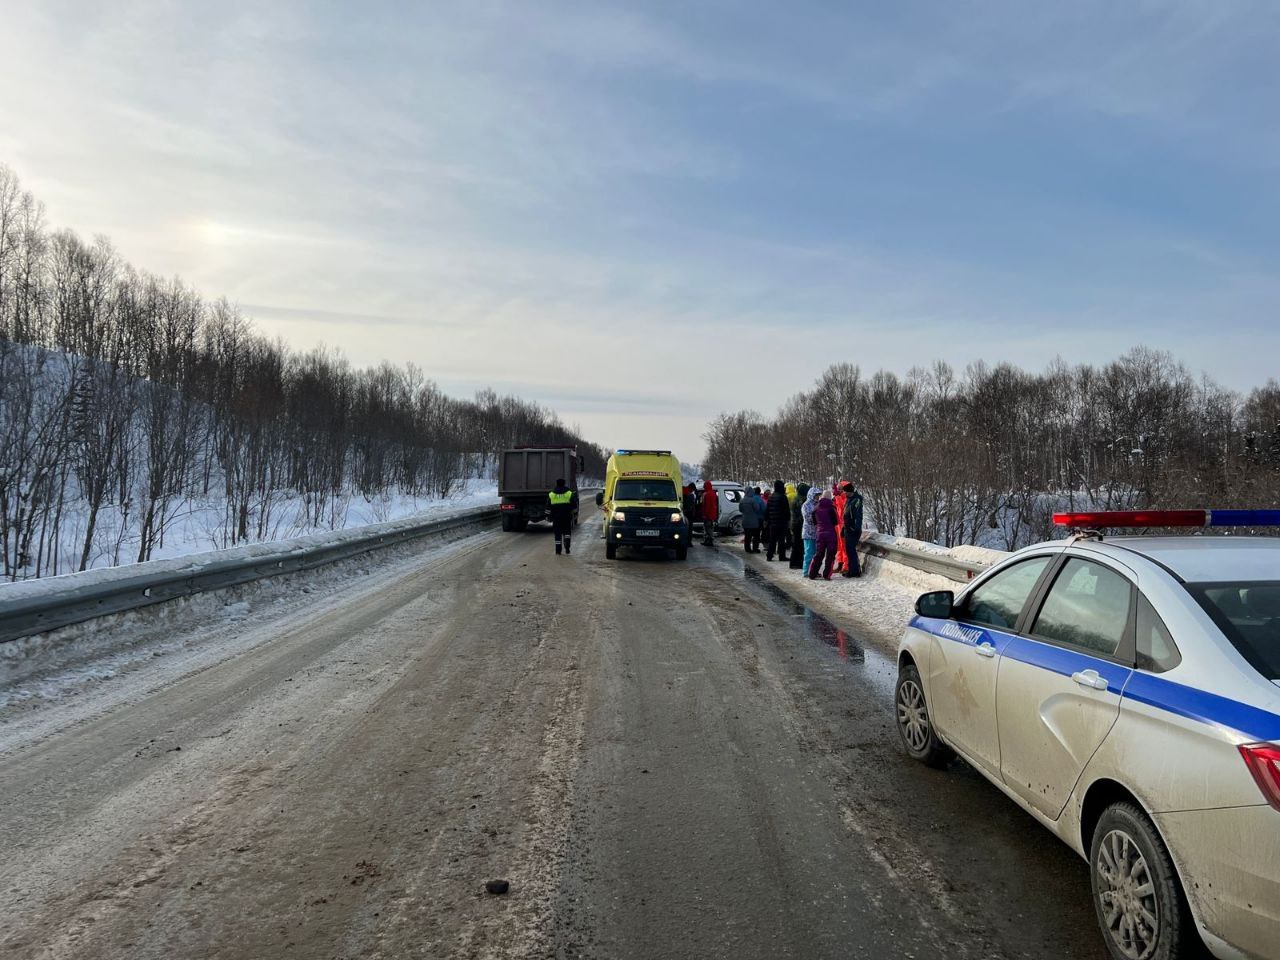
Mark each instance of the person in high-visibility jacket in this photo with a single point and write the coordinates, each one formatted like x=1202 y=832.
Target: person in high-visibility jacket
x=563 y=504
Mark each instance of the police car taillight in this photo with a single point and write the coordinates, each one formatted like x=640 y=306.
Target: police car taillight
x=1100 y=519
x=1263 y=761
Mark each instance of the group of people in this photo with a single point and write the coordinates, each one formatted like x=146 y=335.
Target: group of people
x=702 y=507
x=831 y=526
x=767 y=515
x=820 y=528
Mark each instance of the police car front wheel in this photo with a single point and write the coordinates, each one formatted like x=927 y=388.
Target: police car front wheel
x=914 y=725
x=1136 y=895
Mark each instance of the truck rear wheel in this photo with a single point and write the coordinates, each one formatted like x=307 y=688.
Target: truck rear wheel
x=508 y=522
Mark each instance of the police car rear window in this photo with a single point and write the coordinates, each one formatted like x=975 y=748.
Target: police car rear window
x=1248 y=613
x=1087 y=607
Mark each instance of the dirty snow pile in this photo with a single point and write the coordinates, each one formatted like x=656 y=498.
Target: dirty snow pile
x=115 y=659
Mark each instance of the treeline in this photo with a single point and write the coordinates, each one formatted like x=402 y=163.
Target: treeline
x=986 y=457
x=129 y=397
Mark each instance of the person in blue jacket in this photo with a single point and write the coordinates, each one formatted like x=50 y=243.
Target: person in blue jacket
x=809 y=526
x=751 y=509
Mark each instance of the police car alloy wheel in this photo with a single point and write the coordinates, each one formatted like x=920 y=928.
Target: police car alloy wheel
x=1136 y=895
x=914 y=725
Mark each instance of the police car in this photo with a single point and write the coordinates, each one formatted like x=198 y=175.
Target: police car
x=1126 y=693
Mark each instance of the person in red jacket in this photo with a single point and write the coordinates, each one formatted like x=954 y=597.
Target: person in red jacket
x=709 y=509
x=842 y=555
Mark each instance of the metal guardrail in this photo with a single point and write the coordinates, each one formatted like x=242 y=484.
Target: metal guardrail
x=76 y=604
x=877 y=545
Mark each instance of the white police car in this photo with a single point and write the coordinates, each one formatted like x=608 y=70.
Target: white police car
x=1126 y=693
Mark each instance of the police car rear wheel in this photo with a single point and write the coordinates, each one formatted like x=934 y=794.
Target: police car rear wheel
x=1139 y=904
x=914 y=725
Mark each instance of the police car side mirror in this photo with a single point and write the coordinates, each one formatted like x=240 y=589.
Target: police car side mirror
x=939 y=605
x=600 y=499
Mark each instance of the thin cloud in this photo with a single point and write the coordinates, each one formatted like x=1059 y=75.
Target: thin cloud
x=718 y=198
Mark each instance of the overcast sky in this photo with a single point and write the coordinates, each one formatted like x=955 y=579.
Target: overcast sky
x=642 y=214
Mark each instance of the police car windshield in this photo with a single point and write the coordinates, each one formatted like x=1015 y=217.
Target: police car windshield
x=645 y=490
x=1249 y=614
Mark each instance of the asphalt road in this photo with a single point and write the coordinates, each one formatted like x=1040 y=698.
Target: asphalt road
x=664 y=760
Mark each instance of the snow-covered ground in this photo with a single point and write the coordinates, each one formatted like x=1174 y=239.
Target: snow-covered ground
x=198 y=528
x=199 y=556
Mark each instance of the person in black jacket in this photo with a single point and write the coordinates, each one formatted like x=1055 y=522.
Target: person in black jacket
x=562 y=502
x=777 y=516
x=690 y=504
x=852 y=523
x=797 y=526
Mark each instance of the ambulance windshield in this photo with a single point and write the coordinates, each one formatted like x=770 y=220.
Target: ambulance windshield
x=645 y=489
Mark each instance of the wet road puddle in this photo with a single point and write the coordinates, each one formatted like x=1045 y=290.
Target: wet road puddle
x=866 y=664
x=812 y=624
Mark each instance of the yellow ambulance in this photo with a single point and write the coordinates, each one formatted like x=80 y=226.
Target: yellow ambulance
x=642 y=503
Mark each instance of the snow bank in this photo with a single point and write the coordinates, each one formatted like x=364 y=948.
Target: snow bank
x=978 y=555
x=71 y=583
x=965 y=553
x=913 y=581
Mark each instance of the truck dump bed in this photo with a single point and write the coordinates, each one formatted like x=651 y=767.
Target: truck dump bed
x=536 y=470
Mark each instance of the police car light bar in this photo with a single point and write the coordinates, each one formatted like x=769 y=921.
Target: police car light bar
x=1169 y=518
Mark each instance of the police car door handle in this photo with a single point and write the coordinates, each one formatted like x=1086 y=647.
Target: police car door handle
x=985 y=650
x=1090 y=679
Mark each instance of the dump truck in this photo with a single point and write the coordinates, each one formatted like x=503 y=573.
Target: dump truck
x=526 y=475
x=642 y=504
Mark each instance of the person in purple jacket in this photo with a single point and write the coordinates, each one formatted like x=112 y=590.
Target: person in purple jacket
x=825 y=518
